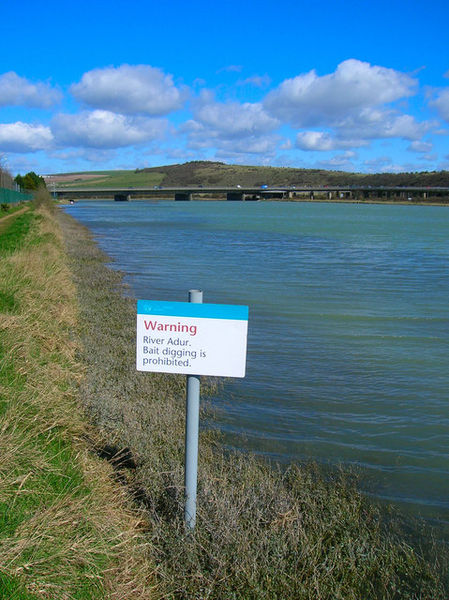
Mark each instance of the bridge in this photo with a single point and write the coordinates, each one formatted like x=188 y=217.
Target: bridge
x=251 y=193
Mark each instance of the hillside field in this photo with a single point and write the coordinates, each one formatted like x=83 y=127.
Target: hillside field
x=219 y=174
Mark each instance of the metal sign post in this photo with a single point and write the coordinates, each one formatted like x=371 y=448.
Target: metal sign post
x=193 y=339
x=191 y=439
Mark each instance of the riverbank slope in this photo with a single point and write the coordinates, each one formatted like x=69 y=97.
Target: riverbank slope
x=66 y=529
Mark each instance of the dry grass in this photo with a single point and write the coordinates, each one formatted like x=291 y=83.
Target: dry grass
x=66 y=529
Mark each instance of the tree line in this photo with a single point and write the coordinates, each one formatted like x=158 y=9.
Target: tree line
x=30 y=181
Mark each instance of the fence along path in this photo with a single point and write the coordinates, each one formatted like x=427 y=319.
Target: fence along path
x=11 y=196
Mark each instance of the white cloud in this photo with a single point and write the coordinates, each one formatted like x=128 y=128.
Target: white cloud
x=441 y=103
x=199 y=82
x=180 y=154
x=385 y=164
x=130 y=89
x=323 y=141
x=93 y=155
x=352 y=105
x=286 y=145
x=232 y=120
x=309 y=100
x=230 y=127
x=18 y=91
x=104 y=129
x=256 y=145
x=373 y=123
x=259 y=81
x=339 y=161
x=423 y=147
x=236 y=157
x=23 y=137
x=377 y=161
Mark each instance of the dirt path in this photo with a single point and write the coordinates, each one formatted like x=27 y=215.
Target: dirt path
x=3 y=220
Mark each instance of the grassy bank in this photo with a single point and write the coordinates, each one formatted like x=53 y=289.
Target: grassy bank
x=65 y=530
x=263 y=533
x=7 y=213
x=9 y=209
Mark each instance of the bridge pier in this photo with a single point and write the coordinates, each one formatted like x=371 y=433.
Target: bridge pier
x=235 y=196
x=183 y=196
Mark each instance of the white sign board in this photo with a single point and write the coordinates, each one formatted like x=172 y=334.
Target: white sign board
x=192 y=338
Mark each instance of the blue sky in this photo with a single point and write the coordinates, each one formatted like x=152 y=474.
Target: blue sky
x=357 y=86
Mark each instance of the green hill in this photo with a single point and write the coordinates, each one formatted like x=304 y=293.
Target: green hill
x=219 y=174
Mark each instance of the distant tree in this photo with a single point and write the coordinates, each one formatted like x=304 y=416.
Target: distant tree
x=30 y=181
x=19 y=180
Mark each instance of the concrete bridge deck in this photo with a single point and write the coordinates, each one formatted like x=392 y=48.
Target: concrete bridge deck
x=240 y=193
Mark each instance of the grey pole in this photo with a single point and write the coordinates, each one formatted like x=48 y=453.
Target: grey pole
x=192 y=426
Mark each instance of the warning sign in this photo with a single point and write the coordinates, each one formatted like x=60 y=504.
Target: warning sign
x=192 y=338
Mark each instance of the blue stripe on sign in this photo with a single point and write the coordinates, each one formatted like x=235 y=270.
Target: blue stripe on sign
x=192 y=309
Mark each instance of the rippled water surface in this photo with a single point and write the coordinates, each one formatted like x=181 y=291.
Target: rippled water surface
x=349 y=325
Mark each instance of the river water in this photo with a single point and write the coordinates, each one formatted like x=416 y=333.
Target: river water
x=348 y=331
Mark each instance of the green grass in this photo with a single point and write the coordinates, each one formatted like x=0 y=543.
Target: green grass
x=65 y=532
x=12 y=588
x=8 y=302
x=42 y=459
x=10 y=208
x=14 y=236
x=113 y=179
